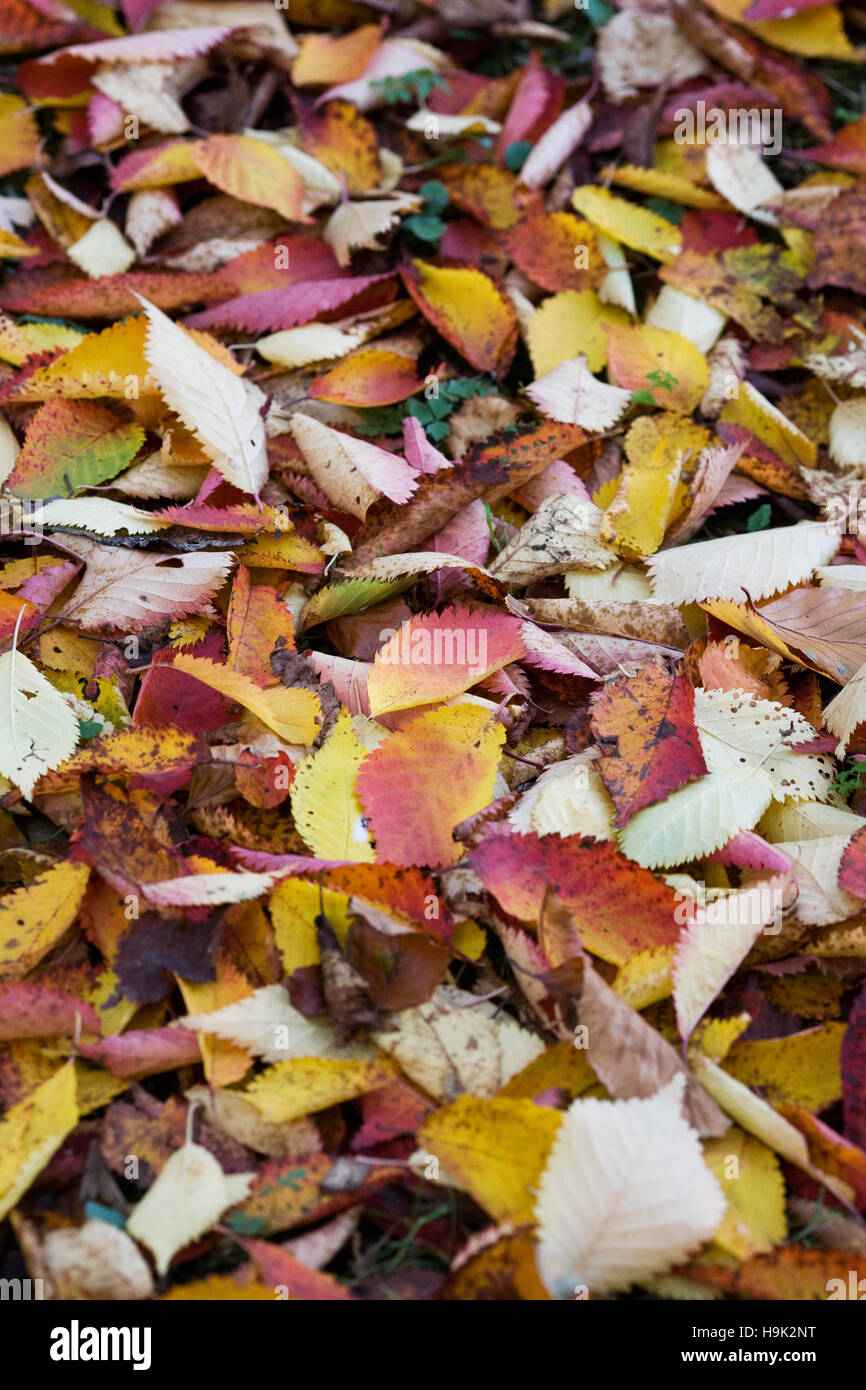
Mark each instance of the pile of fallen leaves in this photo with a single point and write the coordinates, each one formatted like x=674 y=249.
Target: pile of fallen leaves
x=433 y=674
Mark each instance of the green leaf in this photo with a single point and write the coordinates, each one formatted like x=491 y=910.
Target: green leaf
x=438 y=430
x=435 y=195
x=760 y=518
x=517 y=154
x=424 y=228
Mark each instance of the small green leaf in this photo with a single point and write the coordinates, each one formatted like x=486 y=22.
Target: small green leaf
x=760 y=518
x=424 y=228
x=517 y=154
x=435 y=195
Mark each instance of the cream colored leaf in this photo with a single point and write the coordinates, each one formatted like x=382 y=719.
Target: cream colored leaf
x=221 y=409
x=150 y=91
x=572 y=395
x=568 y=798
x=311 y=342
x=847 y=710
x=267 y=1024
x=682 y=313
x=716 y=941
x=98 y=514
x=95 y=1261
x=759 y=564
x=149 y=213
x=207 y=890
x=103 y=250
x=641 y=49
x=748 y=749
x=354 y=225
x=739 y=173
x=625 y=1194
x=851 y=577
x=456 y=1044
x=616 y=287
x=351 y=472
x=820 y=900
x=847 y=427
x=128 y=590
x=40 y=729
x=325 y=804
x=448 y=127
x=189 y=1195
x=563 y=534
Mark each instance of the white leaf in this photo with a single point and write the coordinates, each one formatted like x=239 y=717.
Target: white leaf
x=311 y=342
x=616 y=287
x=221 y=409
x=456 y=1044
x=98 y=514
x=739 y=173
x=821 y=900
x=847 y=710
x=747 y=747
x=847 y=427
x=571 y=394
x=424 y=120
x=682 y=313
x=40 y=730
x=556 y=144
x=351 y=472
x=149 y=213
x=207 y=890
x=568 y=798
x=759 y=564
x=715 y=942
x=625 y=1194
x=358 y=224
x=103 y=250
x=190 y=1194
x=257 y=1023
x=130 y=590
x=640 y=49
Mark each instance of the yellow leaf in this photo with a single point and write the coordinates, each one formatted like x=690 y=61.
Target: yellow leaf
x=568 y=324
x=647 y=978
x=751 y=410
x=32 y=1131
x=662 y=183
x=647 y=497
x=292 y=714
x=751 y=1179
x=294 y=905
x=468 y=310
x=33 y=919
x=494 y=1149
x=628 y=223
x=801 y=1069
x=290 y=1090
x=325 y=804
x=669 y=366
